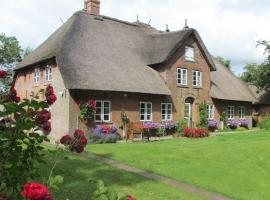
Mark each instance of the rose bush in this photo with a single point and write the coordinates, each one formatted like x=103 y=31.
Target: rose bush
x=21 y=139
x=87 y=110
x=195 y=133
x=76 y=143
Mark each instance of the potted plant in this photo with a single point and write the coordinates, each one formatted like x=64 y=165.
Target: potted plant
x=88 y=111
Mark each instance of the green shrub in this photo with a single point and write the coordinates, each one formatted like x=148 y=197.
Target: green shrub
x=241 y=129
x=265 y=124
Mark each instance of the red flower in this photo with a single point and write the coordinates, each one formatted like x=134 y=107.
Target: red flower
x=16 y=99
x=35 y=191
x=50 y=96
x=51 y=99
x=2 y=73
x=83 y=141
x=66 y=139
x=129 y=197
x=106 y=129
x=47 y=127
x=78 y=133
x=92 y=104
x=43 y=116
x=79 y=149
x=13 y=96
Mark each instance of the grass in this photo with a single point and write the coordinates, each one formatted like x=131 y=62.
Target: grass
x=236 y=165
x=77 y=170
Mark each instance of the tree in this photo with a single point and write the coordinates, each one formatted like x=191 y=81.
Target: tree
x=10 y=51
x=258 y=74
x=10 y=54
x=226 y=63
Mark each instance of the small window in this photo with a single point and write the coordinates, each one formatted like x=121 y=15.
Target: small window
x=36 y=75
x=241 y=112
x=211 y=111
x=146 y=111
x=166 y=111
x=48 y=73
x=181 y=76
x=230 y=112
x=189 y=54
x=103 y=111
x=197 y=78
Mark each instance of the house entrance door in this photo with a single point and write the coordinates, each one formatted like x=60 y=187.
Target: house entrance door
x=188 y=111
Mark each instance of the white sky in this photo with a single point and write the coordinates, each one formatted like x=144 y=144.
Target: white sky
x=229 y=28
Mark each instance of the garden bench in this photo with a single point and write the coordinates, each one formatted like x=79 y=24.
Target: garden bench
x=134 y=128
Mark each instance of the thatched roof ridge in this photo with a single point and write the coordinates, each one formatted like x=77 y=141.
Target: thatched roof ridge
x=226 y=86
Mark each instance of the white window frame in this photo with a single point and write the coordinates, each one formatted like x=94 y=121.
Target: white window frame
x=230 y=112
x=197 y=78
x=167 y=116
x=241 y=112
x=36 y=75
x=48 y=73
x=145 y=114
x=182 y=76
x=211 y=111
x=102 y=114
x=189 y=53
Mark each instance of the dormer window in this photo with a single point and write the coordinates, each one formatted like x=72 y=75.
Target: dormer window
x=36 y=75
x=189 y=54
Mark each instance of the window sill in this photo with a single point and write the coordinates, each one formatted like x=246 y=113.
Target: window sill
x=197 y=87
x=183 y=86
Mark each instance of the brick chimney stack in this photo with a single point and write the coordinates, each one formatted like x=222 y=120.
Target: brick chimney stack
x=92 y=6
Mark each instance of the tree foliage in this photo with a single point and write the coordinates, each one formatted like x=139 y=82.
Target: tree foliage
x=225 y=62
x=10 y=51
x=258 y=74
x=203 y=123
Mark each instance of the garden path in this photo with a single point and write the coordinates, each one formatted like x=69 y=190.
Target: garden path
x=183 y=186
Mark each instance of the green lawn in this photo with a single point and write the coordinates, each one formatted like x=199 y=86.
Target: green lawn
x=77 y=170
x=236 y=165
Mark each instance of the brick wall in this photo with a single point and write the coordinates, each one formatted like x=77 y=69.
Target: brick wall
x=24 y=85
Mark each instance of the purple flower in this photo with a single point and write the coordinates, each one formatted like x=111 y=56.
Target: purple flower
x=244 y=123
x=233 y=124
x=150 y=125
x=168 y=124
x=212 y=123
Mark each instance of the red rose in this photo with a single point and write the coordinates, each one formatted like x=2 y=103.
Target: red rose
x=83 y=141
x=43 y=116
x=51 y=99
x=2 y=73
x=66 y=139
x=129 y=197
x=35 y=191
x=79 y=149
x=78 y=133
x=16 y=99
x=47 y=127
x=49 y=90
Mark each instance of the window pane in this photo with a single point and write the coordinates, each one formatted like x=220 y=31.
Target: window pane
x=98 y=104
x=98 y=117
x=106 y=117
x=106 y=104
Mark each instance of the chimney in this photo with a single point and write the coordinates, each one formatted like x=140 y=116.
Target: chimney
x=92 y=6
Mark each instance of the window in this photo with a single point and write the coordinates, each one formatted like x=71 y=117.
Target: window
x=103 y=111
x=189 y=54
x=197 y=78
x=241 y=112
x=230 y=113
x=146 y=111
x=166 y=111
x=187 y=113
x=36 y=75
x=181 y=76
x=210 y=111
x=48 y=73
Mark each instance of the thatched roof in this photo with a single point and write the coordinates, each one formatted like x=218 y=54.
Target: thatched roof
x=225 y=85
x=102 y=53
x=262 y=96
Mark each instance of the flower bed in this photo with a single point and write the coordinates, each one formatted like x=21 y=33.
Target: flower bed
x=244 y=123
x=212 y=124
x=104 y=134
x=158 y=129
x=195 y=133
x=233 y=124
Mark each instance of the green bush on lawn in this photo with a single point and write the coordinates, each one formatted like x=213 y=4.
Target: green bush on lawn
x=265 y=124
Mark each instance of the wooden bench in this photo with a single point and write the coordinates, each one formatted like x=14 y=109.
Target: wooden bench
x=134 y=128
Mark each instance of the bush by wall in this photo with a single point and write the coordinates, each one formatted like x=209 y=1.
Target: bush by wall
x=195 y=133
x=265 y=124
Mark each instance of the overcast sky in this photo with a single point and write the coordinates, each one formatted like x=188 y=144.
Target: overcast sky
x=229 y=28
